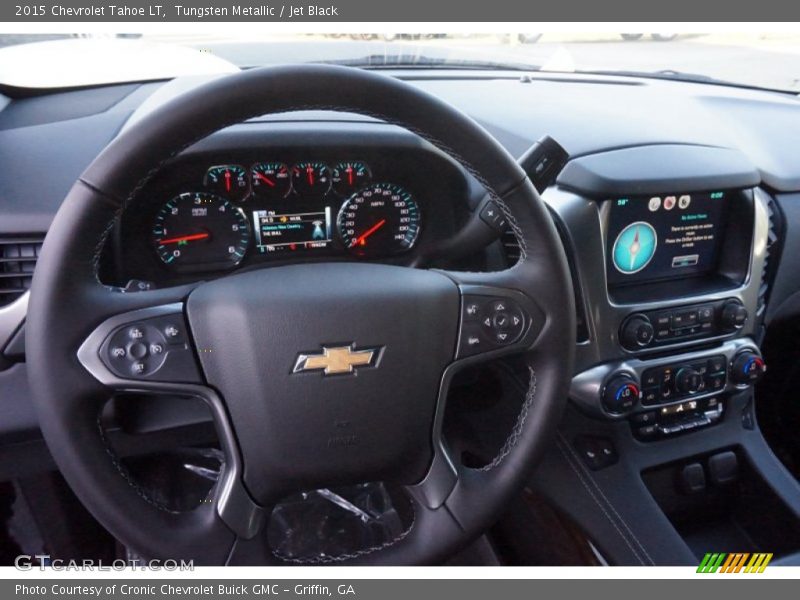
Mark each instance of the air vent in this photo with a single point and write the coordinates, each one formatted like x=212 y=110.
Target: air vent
x=17 y=260
x=511 y=247
x=770 y=254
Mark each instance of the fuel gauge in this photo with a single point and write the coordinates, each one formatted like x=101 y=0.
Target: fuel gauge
x=230 y=181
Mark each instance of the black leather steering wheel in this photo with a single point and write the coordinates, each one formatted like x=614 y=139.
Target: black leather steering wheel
x=249 y=332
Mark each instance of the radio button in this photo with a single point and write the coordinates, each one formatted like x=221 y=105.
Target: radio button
x=663 y=334
x=705 y=314
x=636 y=332
x=684 y=319
x=734 y=315
x=662 y=320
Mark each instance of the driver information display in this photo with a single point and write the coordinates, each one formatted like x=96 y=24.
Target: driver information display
x=664 y=237
x=279 y=231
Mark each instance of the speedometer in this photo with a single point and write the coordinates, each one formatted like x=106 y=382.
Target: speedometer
x=380 y=219
x=200 y=230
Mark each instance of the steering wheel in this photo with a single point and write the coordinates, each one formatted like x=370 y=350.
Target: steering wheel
x=316 y=374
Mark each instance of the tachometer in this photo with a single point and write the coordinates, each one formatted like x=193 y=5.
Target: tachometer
x=380 y=219
x=228 y=180
x=200 y=230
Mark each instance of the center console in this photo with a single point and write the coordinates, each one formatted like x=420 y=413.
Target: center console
x=671 y=246
x=671 y=260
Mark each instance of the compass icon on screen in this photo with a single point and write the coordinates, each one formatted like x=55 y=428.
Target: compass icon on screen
x=634 y=247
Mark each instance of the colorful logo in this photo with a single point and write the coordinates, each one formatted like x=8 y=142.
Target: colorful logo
x=736 y=562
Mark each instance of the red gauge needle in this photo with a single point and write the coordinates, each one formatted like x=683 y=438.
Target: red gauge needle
x=265 y=179
x=310 y=173
x=227 y=181
x=362 y=239
x=350 y=175
x=184 y=238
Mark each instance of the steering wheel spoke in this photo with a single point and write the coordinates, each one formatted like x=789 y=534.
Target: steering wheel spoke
x=496 y=318
x=142 y=349
x=150 y=351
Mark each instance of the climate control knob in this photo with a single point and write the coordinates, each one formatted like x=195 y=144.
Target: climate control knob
x=734 y=316
x=636 y=332
x=688 y=381
x=747 y=368
x=620 y=394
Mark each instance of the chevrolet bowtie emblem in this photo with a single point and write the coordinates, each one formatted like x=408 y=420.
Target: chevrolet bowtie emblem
x=337 y=360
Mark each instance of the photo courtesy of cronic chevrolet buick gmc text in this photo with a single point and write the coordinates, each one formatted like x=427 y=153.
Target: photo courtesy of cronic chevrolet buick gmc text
x=397 y=300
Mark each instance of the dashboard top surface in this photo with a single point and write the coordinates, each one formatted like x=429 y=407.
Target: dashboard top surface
x=586 y=114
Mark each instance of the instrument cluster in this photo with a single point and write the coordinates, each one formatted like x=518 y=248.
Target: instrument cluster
x=274 y=207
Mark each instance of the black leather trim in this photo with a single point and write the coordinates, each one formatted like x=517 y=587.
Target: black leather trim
x=68 y=302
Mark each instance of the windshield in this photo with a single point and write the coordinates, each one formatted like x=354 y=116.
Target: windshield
x=752 y=59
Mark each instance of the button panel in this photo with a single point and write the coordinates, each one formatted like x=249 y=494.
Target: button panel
x=675 y=325
x=677 y=418
x=154 y=348
x=683 y=380
x=489 y=323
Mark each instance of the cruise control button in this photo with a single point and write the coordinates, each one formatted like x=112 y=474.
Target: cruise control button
x=137 y=350
x=156 y=349
x=173 y=331
x=135 y=333
x=138 y=368
x=119 y=352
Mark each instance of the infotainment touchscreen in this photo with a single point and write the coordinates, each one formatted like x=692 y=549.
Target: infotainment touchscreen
x=664 y=237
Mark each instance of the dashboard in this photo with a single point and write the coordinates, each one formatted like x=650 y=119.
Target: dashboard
x=679 y=211
x=322 y=196
x=669 y=208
